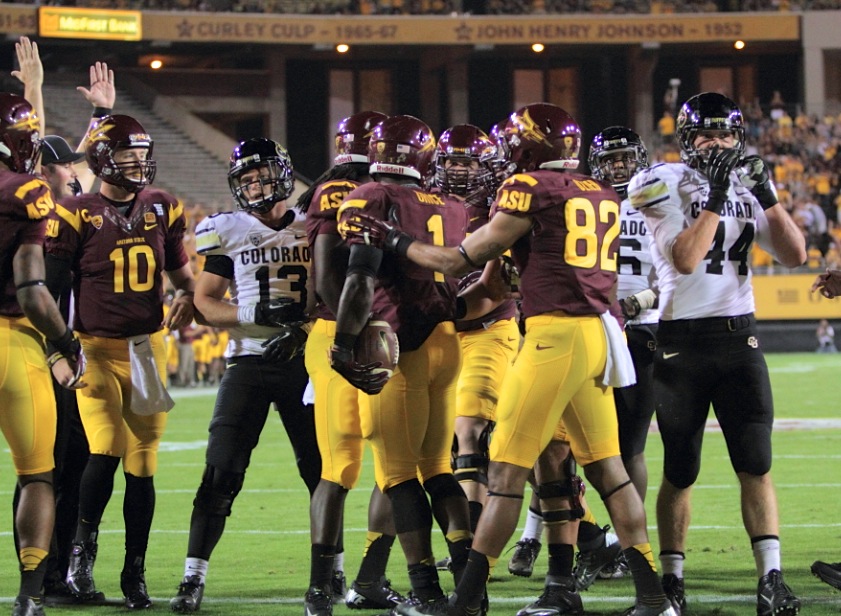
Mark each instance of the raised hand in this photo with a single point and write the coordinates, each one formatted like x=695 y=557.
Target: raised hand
x=757 y=180
x=102 y=92
x=31 y=72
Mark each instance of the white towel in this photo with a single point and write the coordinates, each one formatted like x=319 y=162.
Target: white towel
x=309 y=394
x=619 y=370
x=148 y=394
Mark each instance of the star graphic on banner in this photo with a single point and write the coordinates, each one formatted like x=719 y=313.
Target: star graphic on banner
x=185 y=29
x=464 y=32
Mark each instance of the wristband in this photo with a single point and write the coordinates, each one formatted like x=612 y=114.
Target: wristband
x=716 y=200
x=345 y=341
x=470 y=261
x=645 y=299
x=245 y=314
x=62 y=345
x=402 y=245
x=53 y=359
x=101 y=112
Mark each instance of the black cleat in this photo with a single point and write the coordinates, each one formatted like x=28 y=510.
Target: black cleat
x=318 y=602
x=133 y=585
x=557 y=598
x=378 y=596
x=190 y=593
x=445 y=564
x=524 y=557
x=339 y=586
x=774 y=597
x=27 y=606
x=666 y=609
x=589 y=563
x=674 y=590
x=80 y=571
x=828 y=572
x=415 y=607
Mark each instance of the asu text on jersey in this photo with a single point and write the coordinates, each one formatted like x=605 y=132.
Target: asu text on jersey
x=117 y=260
x=265 y=264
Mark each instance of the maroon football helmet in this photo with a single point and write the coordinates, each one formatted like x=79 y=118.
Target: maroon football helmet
x=20 y=142
x=402 y=145
x=464 y=162
x=353 y=134
x=114 y=132
x=543 y=136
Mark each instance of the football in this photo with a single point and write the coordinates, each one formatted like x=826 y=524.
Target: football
x=377 y=343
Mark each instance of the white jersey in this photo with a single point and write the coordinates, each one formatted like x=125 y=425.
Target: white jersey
x=267 y=264
x=635 y=265
x=670 y=197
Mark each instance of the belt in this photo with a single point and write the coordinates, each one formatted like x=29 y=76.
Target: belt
x=712 y=325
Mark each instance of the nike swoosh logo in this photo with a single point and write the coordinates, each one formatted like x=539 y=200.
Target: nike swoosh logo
x=147 y=227
x=670 y=355
x=138 y=343
x=510 y=339
x=542 y=348
x=300 y=237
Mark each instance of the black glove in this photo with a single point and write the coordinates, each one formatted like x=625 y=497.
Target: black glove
x=278 y=312
x=69 y=347
x=360 y=376
x=289 y=342
x=719 y=166
x=360 y=228
x=630 y=307
x=758 y=181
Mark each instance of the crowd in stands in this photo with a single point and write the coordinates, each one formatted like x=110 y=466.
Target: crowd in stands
x=445 y=7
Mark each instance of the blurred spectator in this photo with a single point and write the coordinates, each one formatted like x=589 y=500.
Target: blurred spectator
x=826 y=338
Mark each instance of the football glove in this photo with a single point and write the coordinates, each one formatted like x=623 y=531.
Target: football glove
x=757 y=180
x=278 y=312
x=722 y=161
x=365 y=229
x=68 y=347
x=360 y=376
x=286 y=344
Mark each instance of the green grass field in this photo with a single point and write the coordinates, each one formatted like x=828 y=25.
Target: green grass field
x=261 y=566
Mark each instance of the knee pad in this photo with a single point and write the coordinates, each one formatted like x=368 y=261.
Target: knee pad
x=472 y=467
x=754 y=459
x=443 y=486
x=218 y=490
x=570 y=489
x=681 y=473
x=410 y=506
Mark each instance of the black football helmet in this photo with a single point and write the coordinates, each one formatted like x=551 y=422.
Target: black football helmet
x=465 y=144
x=616 y=154
x=353 y=134
x=20 y=143
x=402 y=145
x=707 y=111
x=112 y=133
x=543 y=136
x=255 y=154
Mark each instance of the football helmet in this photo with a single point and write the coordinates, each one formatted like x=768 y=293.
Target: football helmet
x=256 y=154
x=352 y=135
x=707 y=111
x=543 y=136
x=613 y=145
x=470 y=172
x=112 y=133
x=402 y=145
x=20 y=143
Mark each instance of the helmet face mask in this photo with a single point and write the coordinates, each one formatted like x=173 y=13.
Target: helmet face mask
x=708 y=113
x=119 y=152
x=616 y=155
x=543 y=136
x=260 y=175
x=20 y=143
x=402 y=145
x=464 y=164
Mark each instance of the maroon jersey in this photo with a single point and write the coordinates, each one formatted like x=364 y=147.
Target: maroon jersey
x=321 y=220
x=568 y=260
x=411 y=298
x=118 y=261
x=25 y=202
x=478 y=216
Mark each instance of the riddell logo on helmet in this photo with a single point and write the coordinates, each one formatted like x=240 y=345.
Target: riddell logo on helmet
x=384 y=168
